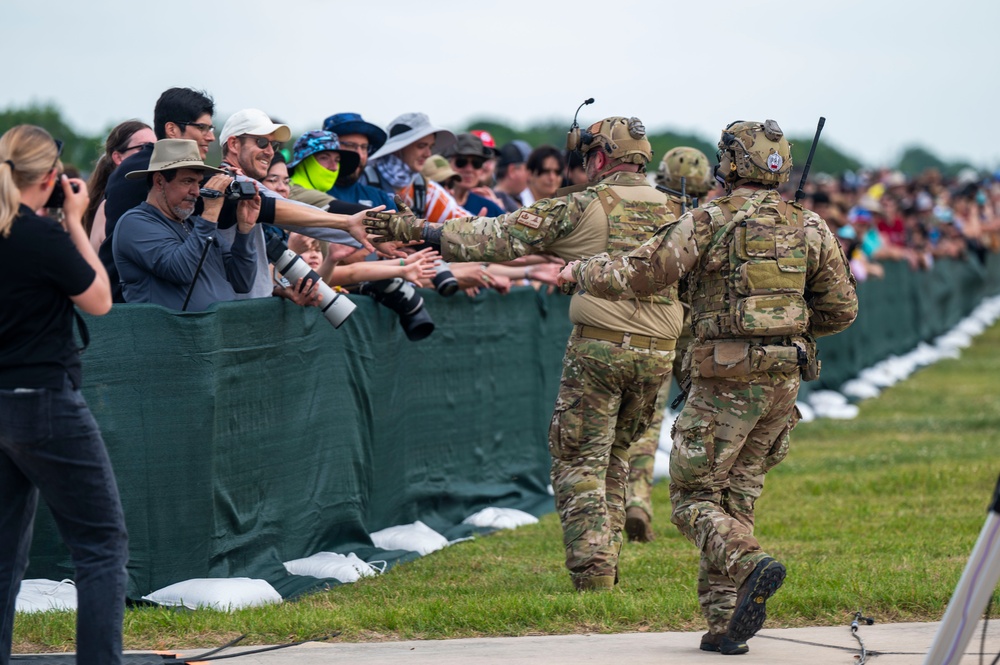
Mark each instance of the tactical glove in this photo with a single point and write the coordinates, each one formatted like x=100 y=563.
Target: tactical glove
x=400 y=225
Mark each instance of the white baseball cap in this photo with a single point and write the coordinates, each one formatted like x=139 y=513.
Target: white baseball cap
x=256 y=122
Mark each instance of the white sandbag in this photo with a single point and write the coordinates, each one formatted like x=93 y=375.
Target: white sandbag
x=878 y=376
x=661 y=464
x=860 y=389
x=343 y=568
x=223 y=594
x=500 y=518
x=416 y=537
x=837 y=411
x=819 y=398
x=45 y=595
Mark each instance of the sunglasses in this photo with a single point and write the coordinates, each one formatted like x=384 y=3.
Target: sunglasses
x=137 y=146
x=200 y=126
x=59 y=149
x=462 y=162
x=552 y=171
x=262 y=142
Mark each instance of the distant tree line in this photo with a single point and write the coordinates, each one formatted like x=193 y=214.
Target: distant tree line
x=82 y=151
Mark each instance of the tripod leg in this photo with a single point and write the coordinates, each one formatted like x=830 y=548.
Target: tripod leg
x=974 y=589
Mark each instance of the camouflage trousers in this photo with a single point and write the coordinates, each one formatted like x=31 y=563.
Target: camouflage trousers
x=642 y=455
x=606 y=399
x=731 y=432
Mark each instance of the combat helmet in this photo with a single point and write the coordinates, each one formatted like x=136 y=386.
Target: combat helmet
x=754 y=151
x=688 y=163
x=622 y=139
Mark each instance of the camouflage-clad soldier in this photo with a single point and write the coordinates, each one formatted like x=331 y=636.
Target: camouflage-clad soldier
x=618 y=353
x=766 y=276
x=686 y=173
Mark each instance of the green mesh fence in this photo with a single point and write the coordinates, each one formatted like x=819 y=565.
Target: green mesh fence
x=255 y=433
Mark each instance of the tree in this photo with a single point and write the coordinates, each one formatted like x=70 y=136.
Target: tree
x=78 y=150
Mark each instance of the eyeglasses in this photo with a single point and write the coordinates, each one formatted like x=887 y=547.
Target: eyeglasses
x=462 y=162
x=262 y=142
x=137 y=146
x=200 y=126
x=357 y=147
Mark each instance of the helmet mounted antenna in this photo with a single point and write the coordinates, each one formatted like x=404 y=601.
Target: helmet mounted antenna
x=809 y=160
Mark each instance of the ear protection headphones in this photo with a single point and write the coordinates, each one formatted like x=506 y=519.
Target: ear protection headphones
x=724 y=143
x=577 y=139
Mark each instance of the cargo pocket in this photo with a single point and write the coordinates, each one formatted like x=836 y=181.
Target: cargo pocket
x=565 y=429
x=779 y=450
x=693 y=453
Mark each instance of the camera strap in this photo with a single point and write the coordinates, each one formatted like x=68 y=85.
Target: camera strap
x=81 y=325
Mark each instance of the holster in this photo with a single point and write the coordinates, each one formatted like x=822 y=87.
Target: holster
x=808 y=357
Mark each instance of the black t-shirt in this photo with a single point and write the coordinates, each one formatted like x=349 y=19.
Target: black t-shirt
x=40 y=268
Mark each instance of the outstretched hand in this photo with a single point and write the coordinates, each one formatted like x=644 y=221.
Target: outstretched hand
x=566 y=274
x=400 y=225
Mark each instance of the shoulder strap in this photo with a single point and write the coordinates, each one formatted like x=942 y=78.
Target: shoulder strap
x=419 y=196
x=81 y=325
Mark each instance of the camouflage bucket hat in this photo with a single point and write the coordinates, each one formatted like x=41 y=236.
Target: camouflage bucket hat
x=319 y=140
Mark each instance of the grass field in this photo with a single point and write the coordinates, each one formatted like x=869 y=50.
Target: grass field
x=877 y=514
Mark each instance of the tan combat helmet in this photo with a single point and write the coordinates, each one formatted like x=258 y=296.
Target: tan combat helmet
x=690 y=164
x=621 y=139
x=754 y=151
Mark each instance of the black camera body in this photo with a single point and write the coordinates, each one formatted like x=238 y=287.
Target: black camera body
x=57 y=199
x=239 y=190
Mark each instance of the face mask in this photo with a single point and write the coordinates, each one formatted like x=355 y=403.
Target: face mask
x=311 y=175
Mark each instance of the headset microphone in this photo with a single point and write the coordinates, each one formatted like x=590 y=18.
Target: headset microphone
x=573 y=138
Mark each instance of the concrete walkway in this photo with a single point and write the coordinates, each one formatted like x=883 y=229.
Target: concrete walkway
x=888 y=644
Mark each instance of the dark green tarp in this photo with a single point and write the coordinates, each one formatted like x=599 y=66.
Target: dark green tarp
x=255 y=433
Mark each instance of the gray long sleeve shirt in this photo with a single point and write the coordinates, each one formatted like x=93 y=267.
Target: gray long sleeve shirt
x=157 y=259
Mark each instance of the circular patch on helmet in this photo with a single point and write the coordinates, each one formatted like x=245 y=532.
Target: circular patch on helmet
x=774 y=161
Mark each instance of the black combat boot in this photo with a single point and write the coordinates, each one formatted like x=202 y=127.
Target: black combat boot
x=750 y=612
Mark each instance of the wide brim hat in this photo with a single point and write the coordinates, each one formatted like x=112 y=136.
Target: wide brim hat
x=353 y=123
x=410 y=128
x=171 y=154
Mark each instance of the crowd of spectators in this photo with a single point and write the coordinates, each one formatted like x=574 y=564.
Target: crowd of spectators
x=348 y=164
x=881 y=215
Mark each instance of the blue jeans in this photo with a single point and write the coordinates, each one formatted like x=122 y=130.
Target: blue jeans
x=51 y=446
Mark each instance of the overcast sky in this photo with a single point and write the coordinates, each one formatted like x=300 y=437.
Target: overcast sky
x=885 y=74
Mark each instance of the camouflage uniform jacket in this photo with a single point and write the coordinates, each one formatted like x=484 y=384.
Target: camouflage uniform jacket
x=615 y=215
x=697 y=247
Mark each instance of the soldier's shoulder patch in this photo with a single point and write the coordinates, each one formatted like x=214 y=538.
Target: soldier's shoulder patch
x=529 y=219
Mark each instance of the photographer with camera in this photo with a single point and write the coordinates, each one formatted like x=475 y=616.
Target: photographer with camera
x=50 y=445
x=168 y=256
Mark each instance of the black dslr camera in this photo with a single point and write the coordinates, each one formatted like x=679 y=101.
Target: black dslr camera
x=57 y=199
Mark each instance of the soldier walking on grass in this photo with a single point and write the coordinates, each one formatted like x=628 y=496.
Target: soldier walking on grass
x=686 y=172
x=619 y=352
x=766 y=277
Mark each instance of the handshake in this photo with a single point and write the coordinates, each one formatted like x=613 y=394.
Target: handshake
x=402 y=225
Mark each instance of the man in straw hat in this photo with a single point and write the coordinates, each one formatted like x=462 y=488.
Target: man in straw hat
x=159 y=245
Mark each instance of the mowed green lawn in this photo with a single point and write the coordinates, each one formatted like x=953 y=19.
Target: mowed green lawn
x=877 y=514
